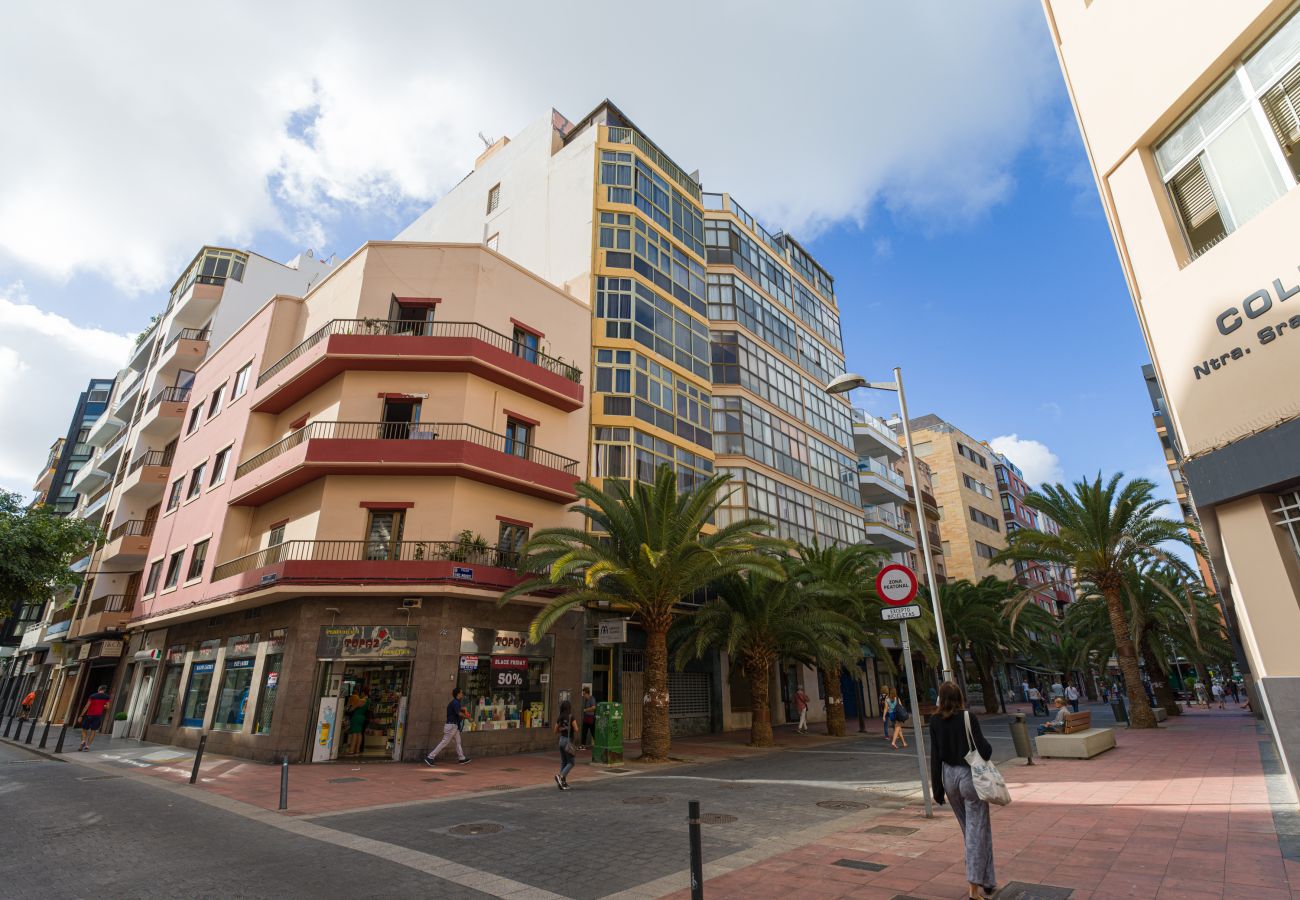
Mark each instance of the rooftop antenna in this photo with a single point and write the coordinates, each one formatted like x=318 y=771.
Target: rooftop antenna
x=487 y=141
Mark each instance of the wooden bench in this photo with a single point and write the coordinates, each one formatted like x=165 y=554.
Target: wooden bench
x=1077 y=721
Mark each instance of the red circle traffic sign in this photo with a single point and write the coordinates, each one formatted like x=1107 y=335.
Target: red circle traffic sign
x=896 y=584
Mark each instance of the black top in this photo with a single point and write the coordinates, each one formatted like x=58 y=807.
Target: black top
x=948 y=744
x=453 y=712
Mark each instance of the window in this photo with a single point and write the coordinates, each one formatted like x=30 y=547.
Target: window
x=155 y=573
x=494 y=198
x=174 y=495
x=196 y=414
x=519 y=436
x=275 y=536
x=241 y=381
x=412 y=316
x=236 y=682
x=985 y=551
x=983 y=518
x=1288 y=517
x=1221 y=165
x=196 y=480
x=384 y=534
x=977 y=486
x=970 y=454
x=173 y=569
x=494 y=241
x=219 y=463
x=214 y=405
x=197 y=557
x=195 y=710
x=511 y=538
x=97 y=396
x=270 y=682
x=171 y=688
x=526 y=344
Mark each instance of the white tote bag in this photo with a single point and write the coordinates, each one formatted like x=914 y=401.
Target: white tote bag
x=988 y=780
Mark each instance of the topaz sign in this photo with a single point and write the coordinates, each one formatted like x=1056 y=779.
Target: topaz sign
x=896 y=584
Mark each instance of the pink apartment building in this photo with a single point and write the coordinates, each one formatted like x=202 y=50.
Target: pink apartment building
x=357 y=471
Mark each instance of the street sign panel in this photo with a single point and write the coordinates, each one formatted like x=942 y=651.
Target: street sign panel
x=895 y=613
x=896 y=584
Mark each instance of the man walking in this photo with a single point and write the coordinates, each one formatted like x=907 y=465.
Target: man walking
x=456 y=714
x=1218 y=692
x=92 y=716
x=588 y=718
x=1072 y=694
x=1036 y=699
x=801 y=705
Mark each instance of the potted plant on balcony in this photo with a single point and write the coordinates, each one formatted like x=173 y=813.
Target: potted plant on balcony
x=470 y=547
x=120 y=725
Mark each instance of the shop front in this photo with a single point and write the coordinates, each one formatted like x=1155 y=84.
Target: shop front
x=144 y=653
x=506 y=679
x=364 y=678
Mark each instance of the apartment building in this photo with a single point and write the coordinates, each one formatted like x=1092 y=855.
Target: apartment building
x=348 y=504
x=712 y=340
x=964 y=481
x=1198 y=173
x=133 y=439
x=1052 y=584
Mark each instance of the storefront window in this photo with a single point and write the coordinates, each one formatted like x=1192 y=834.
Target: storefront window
x=195 y=710
x=506 y=679
x=236 y=682
x=171 y=687
x=271 y=667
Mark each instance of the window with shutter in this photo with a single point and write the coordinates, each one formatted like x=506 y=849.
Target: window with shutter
x=1282 y=106
x=1197 y=207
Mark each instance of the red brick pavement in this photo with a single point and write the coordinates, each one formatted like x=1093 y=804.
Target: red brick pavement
x=1181 y=812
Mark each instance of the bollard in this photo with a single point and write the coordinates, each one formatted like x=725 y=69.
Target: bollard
x=10 y=726
x=697 y=861
x=31 y=731
x=45 y=734
x=1020 y=737
x=198 y=758
x=63 y=732
x=284 y=783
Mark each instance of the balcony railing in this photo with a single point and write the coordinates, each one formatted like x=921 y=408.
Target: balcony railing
x=111 y=603
x=867 y=464
x=409 y=431
x=132 y=528
x=884 y=517
x=403 y=328
x=169 y=395
x=188 y=334
x=370 y=551
x=619 y=135
x=875 y=424
x=62 y=614
x=151 y=458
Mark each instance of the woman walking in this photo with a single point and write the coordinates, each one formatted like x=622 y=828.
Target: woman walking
x=894 y=719
x=566 y=726
x=950 y=778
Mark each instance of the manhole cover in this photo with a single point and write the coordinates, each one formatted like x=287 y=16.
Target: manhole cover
x=500 y=787
x=644 y=801
x=716 y=819
x=348 y=780
x=859 y=864
x=1021 y=890
x=843 y=804
x=476 y=829
x=98 y=777
x=890 y=829
x=433 y=779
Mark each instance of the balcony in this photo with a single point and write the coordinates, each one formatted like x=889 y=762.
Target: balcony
x=887 y=530
x=106 y=427
x=878 y=483
x=386 y=345
x=871 y=436
x=196 y=300
x=162 y=417
x=127 y=543
x=185 y=350
x=60 y=623
x=147 y=475
x=931 y=504
x=103 y=614
x=346 y=562
x=92 y=476
x=397 y=448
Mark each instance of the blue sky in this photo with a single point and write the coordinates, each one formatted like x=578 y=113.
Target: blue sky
x=925 y=153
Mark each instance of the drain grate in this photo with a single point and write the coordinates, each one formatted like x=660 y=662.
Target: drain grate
x=500 y=787
x=843 y=804
x=716 y=819
x=1022 y=890
x=644 y=801
x=348 y=780
x=891 y=829
x=98 y=777
x=860 y=864
x=475 y=829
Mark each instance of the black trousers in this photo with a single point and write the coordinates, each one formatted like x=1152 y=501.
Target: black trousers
x=588 y=728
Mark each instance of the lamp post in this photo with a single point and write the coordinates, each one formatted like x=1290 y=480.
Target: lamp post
x=848 y=382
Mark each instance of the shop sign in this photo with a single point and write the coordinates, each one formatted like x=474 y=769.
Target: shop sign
x=241 y=645
x=84 y=652
x=487 y=642
x=207 y=649
x=367 y=642
x=275 y=641
x=111 y=648
x=612 y=631
x=199 y=668
x=240 y=664
x=176 y=654
x=510 y=671
x=468 y=663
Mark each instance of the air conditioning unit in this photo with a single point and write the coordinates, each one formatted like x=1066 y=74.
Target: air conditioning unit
x=412 y=602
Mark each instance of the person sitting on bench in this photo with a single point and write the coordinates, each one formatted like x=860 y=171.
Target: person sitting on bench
x=1057 y=725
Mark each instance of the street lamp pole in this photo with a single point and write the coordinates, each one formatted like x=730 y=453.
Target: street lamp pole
x=843 y=385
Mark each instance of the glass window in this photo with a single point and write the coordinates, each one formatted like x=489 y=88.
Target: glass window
x=511 y=538
x=197 y=557
x=275 y=536
x=219 y=466
x=526 y=345
x=195 y=709
x=168 y=695
x=493 y=198
x=174 y=495
x=384 y=534
x=214 y=405
x=494 y=241
x=505 y=678
x=519 y=436
x=196 y=480
x=271 y=668
x=196 y=414
x=236 y=683
x=173 y=569
x=241 y=381
x=155 y=573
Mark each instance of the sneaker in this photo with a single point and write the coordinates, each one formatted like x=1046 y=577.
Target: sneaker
x=559 y=782
x=461 y=762
x=564 y=785
x=428 y=761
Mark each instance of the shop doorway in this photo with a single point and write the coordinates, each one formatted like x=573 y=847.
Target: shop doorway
x=362 y=710
x=601 y=682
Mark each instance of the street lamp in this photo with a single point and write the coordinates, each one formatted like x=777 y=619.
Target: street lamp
x=845 y=384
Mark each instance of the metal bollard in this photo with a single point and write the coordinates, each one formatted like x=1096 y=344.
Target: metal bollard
x=198 y=758
x=1020 y=737
x=45 y=734
x=31 y=731
x=10 y=726
x=697 y=855
x=284 y=783
x=63 y=732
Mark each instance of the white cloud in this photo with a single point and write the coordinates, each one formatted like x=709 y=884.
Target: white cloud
x=45 y=362
x=136 y=133
x=1033 y=457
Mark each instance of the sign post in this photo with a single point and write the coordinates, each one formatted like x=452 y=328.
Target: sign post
x=896 y=585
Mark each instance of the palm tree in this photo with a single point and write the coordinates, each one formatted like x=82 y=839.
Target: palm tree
x=842 y=580
x=648 y=548
x=758 y=621
x=1108 y=535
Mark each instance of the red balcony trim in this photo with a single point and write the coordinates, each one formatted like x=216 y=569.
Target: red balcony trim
x=522 y=418
x=510 y=521
x=528 y=328
x=386 y=504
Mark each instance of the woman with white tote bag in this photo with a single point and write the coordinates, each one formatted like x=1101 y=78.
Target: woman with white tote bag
x=957 y=744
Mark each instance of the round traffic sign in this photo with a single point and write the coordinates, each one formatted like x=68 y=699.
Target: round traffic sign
x=896 y=584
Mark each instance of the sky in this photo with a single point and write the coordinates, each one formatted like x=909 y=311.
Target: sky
x=925 y=153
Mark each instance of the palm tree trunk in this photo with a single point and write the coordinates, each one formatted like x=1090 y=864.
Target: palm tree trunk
x=1140 y=715
x=992 y=702
x=1089 y=683
x=656 y=738
x=834 y=702
x=1159 y=680
x=759 y=672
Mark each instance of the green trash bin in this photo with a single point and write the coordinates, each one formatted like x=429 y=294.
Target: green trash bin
x=608 y=748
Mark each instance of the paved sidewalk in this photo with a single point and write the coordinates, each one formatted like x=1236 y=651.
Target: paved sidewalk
x=1180 y=812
